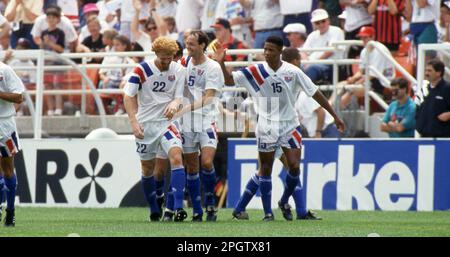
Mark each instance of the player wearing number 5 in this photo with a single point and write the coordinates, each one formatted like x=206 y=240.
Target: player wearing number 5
x=153 y=94
x=274 y=85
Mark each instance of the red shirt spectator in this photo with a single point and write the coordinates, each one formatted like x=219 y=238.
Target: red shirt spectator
x=387 y=23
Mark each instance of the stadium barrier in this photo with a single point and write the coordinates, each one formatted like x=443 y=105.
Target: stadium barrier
x=337 y=174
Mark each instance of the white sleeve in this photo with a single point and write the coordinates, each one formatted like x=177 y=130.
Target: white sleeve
x=134 y=82
x=37 y=29
x=13 y=82
x=305 y=83
x=239 y=79
x=69 y=30
x=214 y=78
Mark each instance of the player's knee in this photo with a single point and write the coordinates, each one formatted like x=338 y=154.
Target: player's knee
x=7 y=166
x=176 y=161
x=147 y=169
x=207 y=164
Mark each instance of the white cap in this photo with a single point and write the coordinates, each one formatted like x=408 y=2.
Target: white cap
x=343 y=15
x=447 y=4
x=318 y=15
x=295 y=28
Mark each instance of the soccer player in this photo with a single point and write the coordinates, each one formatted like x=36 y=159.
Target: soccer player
x=11 y=89
x=204 y=82
x=275 y=86
x=153 y=94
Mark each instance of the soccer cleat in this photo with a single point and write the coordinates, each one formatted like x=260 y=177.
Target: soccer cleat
x=269 y=217
x=309 y=216
x=286 y=210
x=180 y=215
x=160 y=202
x=156 y=216
x=197 y=217
x=168 y=216
x=240 y=215
x=211 y=213
x=10 y=220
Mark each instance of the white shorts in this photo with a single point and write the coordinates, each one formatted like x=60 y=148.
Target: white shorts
x=9 y=138
x=271 y=135
x=159 y=137
x=207 y=138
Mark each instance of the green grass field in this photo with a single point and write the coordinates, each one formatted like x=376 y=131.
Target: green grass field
x=61 y=222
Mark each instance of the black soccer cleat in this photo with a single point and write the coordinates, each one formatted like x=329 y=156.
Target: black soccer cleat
x=160 y=202
x=286 y=210
x=168 y=216
x=269 y=217
x=180 y=215
x=197 y=217
x=156 y=216
x=10 y=220
x=309 y=216
x=211 y=213
x=240 y=215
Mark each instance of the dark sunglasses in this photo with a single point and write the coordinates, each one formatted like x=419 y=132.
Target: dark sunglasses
x=151 y=28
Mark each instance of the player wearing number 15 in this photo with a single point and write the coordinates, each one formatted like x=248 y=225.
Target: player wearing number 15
x=274 y=85
x=153 y=94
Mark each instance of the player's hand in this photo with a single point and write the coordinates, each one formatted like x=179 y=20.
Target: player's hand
x=219 y=51
x=339 y=124
x=170 y=110
x=138 y=130
x=137 y=5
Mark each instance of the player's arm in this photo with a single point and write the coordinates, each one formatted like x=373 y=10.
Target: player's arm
x=131 y=103
x=11 y=97
x=219 y=56
x=320 y=98
x=207 y=99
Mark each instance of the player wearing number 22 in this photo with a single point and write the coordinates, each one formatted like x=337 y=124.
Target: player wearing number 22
x=274 y=85
x=153 y=94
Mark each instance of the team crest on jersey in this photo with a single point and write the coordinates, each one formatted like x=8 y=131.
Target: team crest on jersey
x=288 y=79
x=200 y=72
x=171 y=77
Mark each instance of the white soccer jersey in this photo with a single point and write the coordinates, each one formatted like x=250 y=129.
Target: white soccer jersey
x=155 y=89
x=275 y=93
x=9 y=83
x=207 y=75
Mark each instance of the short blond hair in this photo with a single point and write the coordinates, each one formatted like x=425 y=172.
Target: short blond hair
x=164 y=44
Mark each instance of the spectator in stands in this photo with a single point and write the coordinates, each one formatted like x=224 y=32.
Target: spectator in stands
x=208 y=14
x=153 y=27
x=239 y=18
x=171 y=27
x=70 y=10
x=166 y=8
x=223 y=33
x=323 y=36
x=22 y=14
x=267 y=19
x=378 y=61
x=423 y=15
x=317 y=121
x=188 y=16
x=28 y=77
x=5 y=38
x=293 y=12
x=105 y=14
x=444 y=23
x=388 y=22
x=108 y=39
x=40 y=24
x=91 y=10
x=53 y=39
x=356 y=18
x=94 y=42
x=433 y=115
x=127 y=14
x=111 y=78
x=296 y=34
x=333 y=8
x=399 y=119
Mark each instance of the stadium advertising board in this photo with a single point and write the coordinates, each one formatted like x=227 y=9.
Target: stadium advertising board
x=355 y=174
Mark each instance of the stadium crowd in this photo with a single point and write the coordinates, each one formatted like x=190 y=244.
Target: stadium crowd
x=397 y=26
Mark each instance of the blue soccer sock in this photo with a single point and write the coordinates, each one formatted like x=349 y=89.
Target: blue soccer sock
x=148 y=186
x=11 y=185
x=291 y=183
x=299 y=196
x=193 y=186
x=209 y=181
x=178 y=182
x=250 y=190
x=170 y=199
x=265 y=186
x=159 y=188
